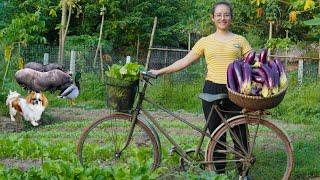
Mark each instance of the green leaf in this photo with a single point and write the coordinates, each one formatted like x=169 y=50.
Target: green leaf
x=128 y=72
x=312 y=22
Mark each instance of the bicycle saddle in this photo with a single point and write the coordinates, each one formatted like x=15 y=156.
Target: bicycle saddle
x=212 y=97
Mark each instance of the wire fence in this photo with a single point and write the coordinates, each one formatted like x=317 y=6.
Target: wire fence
x=85 y=59
x=163 y=56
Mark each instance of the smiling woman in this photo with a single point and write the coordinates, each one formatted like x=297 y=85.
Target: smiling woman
x=219 y=50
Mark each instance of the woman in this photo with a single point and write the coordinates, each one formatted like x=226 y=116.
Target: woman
x=219 y=49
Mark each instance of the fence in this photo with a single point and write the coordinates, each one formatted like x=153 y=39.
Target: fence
x=304 y=61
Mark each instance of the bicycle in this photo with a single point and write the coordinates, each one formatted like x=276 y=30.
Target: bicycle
x=117 y=137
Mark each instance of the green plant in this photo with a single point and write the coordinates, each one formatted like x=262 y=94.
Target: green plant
x=128 y=72
x=278 y=43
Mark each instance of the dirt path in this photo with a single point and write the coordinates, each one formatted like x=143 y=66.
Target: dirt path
x=72 y=114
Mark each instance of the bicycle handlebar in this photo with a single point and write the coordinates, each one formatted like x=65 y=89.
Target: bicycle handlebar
x=147 y=74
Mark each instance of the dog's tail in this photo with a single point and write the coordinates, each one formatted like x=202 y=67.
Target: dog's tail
x=11 y=96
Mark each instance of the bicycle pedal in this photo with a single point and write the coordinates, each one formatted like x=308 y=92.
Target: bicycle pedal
x=172 y=151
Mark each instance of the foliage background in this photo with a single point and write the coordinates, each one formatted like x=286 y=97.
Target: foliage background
x=24 y=23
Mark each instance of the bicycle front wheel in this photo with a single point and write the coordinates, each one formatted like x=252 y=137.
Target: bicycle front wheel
x=103 y=143
x=250 y=146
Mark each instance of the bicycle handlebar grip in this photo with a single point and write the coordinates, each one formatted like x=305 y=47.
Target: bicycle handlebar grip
x=148 y=74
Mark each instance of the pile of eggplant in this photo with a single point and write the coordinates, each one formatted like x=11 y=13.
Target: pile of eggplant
x=256 y=76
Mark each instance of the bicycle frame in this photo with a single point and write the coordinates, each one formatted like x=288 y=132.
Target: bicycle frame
x=138 y=108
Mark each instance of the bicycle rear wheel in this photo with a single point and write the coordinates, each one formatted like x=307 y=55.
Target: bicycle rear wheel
x=266 y=154
x=103 y=141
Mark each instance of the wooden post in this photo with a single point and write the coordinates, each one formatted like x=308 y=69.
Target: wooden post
x=300 y=71
x=73 y=62
x=46 y=58
x=166 y=57
x=270 y=36
x=151 y=43
x=128 y=59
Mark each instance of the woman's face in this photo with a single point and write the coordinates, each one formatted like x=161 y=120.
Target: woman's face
x=222 y=17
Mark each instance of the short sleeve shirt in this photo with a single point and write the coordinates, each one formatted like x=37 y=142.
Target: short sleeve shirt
x=218 y=55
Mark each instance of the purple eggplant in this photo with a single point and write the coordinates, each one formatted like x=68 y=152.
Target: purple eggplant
x=269 y=76
x=283 y=76
x=258 y=78
x=272 y=64
x=247 y=78
x=230 y=78
x=276 y=76
x=263 y=56
x=238 y=74
x=250 y=58
x=259 y=72
x=255 y=91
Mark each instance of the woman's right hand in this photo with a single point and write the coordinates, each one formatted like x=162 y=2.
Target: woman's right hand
x=155 y=72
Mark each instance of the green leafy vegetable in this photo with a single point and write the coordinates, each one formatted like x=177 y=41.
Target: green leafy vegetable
x=127 y=72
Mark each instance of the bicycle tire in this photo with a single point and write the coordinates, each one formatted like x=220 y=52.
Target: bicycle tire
x=268 y=148
x=97 y=144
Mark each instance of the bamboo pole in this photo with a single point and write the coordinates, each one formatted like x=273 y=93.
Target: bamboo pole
x=101 y=66
x=103 y=9
x=138 y=46
x=151 y=43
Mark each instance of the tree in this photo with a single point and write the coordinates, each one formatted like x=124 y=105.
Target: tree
x=24 y=29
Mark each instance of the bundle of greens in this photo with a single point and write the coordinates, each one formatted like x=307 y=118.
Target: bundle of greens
x=127 y=72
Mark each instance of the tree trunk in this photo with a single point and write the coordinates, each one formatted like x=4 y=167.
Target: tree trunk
x=62 y=31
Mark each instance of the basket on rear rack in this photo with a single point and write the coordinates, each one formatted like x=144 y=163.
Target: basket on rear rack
x=256 y=102
x=121 y=94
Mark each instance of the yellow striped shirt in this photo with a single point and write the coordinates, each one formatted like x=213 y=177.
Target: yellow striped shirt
x=219 y=55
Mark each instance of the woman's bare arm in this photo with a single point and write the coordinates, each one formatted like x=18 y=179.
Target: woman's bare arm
x=178 y=65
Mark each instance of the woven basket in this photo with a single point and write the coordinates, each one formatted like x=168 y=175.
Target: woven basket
x=120 y=94
x=256 y=102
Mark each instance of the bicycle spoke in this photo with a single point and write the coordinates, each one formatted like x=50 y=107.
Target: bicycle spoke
x=254 y=139
x=238 y=143
x=230 y=148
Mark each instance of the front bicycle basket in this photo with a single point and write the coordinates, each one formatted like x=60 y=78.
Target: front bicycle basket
x=121 y=94
x=256 y=102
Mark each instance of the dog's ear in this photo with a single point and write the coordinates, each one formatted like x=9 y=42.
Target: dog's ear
x=29 y=98
x=44 y=100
